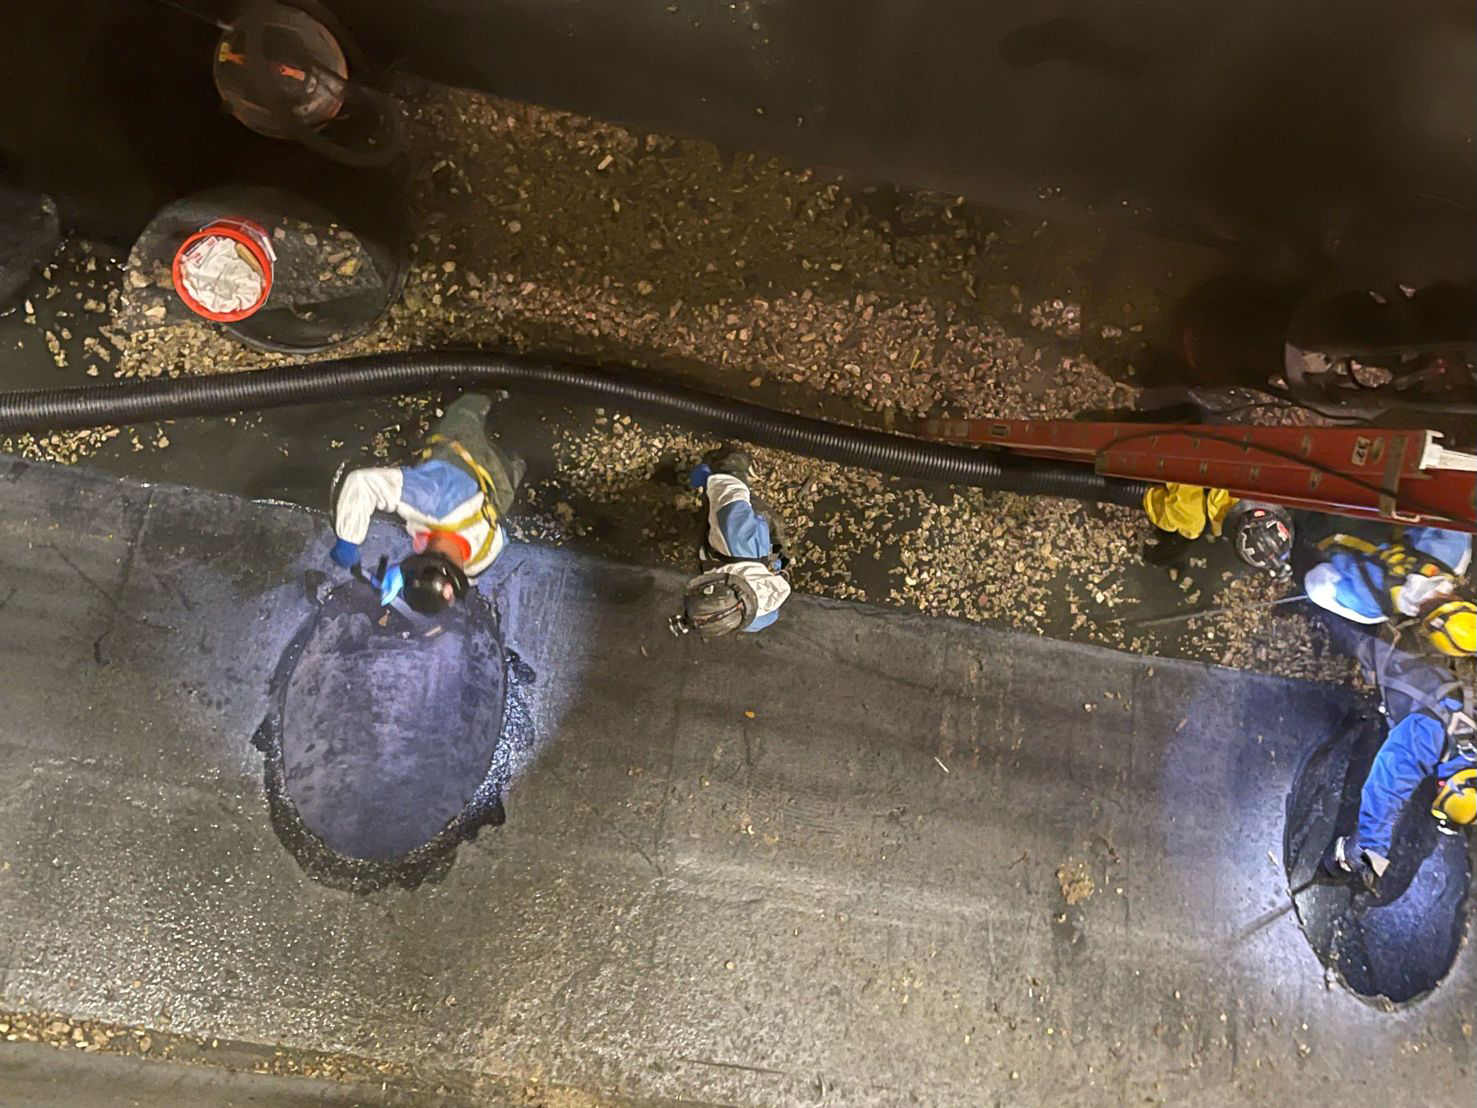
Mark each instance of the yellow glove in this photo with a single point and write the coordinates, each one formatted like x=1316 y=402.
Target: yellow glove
x=1187 y=509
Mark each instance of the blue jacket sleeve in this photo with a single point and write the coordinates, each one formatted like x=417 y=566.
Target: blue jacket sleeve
x=1452 y=548
x=744 y=532
x=761 y=622
x=699 y=476
x=1409 y=755
x=1352 y=590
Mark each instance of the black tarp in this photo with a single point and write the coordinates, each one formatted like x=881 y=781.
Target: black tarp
x=28 y=236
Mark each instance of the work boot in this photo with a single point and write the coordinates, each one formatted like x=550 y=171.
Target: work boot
x=1168 y=548
x=725 y=459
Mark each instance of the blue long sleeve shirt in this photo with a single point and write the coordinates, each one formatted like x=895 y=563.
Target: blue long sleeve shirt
x=1411 y=753
x=1341 y=583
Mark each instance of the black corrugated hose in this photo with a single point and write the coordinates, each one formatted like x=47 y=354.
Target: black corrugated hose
x=140 y=400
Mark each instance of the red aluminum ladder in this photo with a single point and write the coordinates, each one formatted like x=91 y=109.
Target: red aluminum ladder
x=1397 y=475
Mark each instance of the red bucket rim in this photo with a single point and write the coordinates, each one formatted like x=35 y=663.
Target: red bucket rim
x=250 y=235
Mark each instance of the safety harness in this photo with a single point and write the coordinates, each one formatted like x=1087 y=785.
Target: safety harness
x=777 y=562
x=1459 y=723
x=488 y=509
x=708 y=556
x=1398 y=561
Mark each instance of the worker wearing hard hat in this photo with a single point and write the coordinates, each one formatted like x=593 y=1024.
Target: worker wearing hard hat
x=1262 y=534
x=452 y=502
x=1432 y=733
x=741 y=556
x=1411 y=581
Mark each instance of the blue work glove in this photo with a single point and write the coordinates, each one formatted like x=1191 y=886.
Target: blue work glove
x=392 y=585
x=700 y=474
x=345 y=554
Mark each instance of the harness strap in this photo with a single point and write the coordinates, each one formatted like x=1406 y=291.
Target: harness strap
x=706 y=553
x=1356 y=545
x=1459 y=723
x=708 y=556
x=1397 y=561
x=488 y=511
x=1432 y=704
x=1397 y=557
x=1383 y=596
x=1352 y=542
x=711 y=555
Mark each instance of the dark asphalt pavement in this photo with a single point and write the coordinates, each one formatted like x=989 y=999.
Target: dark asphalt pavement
x=826 y=865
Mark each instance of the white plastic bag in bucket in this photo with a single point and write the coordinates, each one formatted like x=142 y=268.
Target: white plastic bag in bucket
x=224 y=270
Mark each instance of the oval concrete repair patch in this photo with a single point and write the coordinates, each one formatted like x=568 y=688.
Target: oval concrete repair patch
x=389 y=723
x=1399 y=946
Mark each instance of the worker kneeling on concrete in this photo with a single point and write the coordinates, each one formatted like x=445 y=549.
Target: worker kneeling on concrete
x=1411 y=581
x=1432 y=732
x=452 y=502
x=741 y=556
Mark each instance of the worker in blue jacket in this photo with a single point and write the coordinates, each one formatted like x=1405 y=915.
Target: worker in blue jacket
x=741 y=556
x=1411 y=581
x=452 y=502
x=1373 y=594
x=1432 y=732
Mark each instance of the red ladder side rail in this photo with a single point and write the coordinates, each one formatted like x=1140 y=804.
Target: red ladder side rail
x=1373 y=473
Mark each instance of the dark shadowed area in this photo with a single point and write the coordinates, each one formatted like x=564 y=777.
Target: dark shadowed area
x=1265 y=125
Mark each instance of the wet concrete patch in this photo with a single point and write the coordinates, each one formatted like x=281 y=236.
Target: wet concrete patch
x=389 y=739
x=1400 y=945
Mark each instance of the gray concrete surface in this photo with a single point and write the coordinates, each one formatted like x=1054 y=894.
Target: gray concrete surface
x=817 y=866
x=33 y=1075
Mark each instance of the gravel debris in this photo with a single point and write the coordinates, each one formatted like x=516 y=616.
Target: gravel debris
x=1075 y=881
x=991 y=557
x=539 y=230
x=94 y=1036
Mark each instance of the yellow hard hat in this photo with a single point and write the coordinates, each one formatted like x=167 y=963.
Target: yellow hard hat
x=1456 y=800
x=1452 y=628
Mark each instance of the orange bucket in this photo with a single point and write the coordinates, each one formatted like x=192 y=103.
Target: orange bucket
x=224 y=270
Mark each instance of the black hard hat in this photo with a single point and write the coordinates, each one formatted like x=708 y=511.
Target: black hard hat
x=716 y=604
x=1262 y=533
x=429 y=577
x=730 y=460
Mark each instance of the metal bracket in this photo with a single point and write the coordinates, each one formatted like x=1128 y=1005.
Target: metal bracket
x=1390 y=485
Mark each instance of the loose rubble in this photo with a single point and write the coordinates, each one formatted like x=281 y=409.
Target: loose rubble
x=99 y=1036
x=539 y=230
x=1075 y=882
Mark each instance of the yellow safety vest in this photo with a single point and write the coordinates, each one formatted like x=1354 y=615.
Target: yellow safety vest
x=488 y=510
